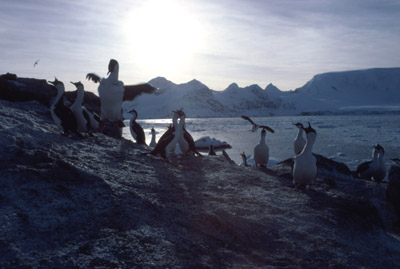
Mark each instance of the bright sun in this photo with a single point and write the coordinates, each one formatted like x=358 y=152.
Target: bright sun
x=162 y=34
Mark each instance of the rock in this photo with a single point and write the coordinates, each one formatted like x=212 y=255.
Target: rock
x=28 y=89
x=204 y=143
x=9 y=76
x=25 y=89
x=393 y=188
x=104 y=202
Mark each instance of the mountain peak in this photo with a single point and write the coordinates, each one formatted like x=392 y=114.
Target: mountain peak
x=194 y=84
x=161 y=82
x=272 y=88
x=233 y=85
x=253 y=87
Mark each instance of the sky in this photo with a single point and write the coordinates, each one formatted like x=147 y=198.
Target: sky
x=283 y=42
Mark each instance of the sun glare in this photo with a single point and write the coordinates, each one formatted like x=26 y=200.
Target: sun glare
x=161 y=34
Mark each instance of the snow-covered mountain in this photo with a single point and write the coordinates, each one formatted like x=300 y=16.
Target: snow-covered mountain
x=359 y=89
x=335 y=92
x=198 y=100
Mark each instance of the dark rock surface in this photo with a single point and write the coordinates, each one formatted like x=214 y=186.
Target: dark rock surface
x=102 y=202
x=17 y=89
x=393 y=188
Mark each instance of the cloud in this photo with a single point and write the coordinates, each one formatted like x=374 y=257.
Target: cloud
x=284 y=42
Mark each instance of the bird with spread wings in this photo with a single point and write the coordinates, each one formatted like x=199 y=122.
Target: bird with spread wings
x=256 y=126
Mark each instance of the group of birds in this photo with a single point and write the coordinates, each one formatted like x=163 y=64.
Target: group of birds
x=176 y=134
x=304 y=162
x=76 y=119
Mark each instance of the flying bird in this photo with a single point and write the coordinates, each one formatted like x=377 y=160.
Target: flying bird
x=256 y=126
x=37 y=61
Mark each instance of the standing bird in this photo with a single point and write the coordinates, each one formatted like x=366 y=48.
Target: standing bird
x=244 y=158
x=153 y=138
x=186 y=142
x=171 y=128
x=36 y=63
x=136 y=130
x=169 y=140
x=161 y=149
x=82 y=118
x=299 y=141
x=211 y=151
x=112 y=93
x=375 y=169
x=305 y=164
x=94 y=118
x=261 y=150
x=62 y=115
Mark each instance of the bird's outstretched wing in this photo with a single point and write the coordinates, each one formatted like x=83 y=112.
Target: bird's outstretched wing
x=131 y=91
x=247 y=118
x=269 y=129
x=363 y=167
x=255 y=126
x=92 y=76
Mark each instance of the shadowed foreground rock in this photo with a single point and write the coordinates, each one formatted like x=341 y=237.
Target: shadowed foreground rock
x=99 y=202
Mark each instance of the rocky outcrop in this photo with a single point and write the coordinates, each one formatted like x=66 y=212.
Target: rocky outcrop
x=102 y=202
x=393 y=188
x=15 y=89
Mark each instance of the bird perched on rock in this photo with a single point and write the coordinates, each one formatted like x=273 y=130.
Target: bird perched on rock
x=299 y=141
x=261 y=150
x=244 y=158
x=62 y=115
x=82 y=117
x=112 y=93
x=211 y=151
x=171 y=129
x=94 y=118
x=186 y=142
x=136 y=130
x=305 y=164
x=374 y=169
x=153 y=138
x=161 y=149
x=169 y=140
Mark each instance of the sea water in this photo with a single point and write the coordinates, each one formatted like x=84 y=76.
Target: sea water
x=348 y=139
